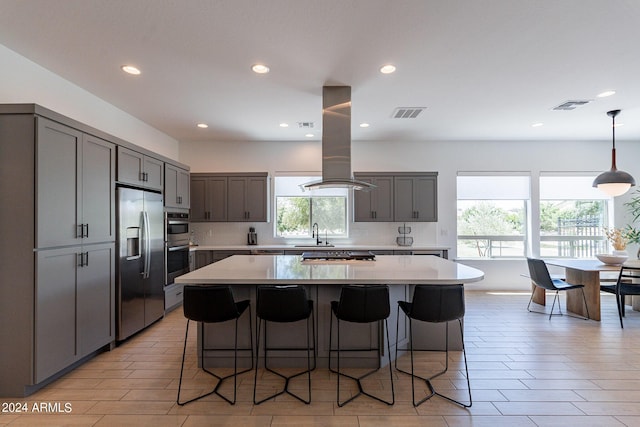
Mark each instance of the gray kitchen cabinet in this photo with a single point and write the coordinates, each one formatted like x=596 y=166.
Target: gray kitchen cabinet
x=173 y=296
x=416 y=198
x=203 y=258
x=74 y=305
x=176 y=187
x=375 y=205
x=140 y=170
x=75 y=192
x=208 y=198
x=247 y=198
x=95 y=298
x=237 y=197
x=58 y=181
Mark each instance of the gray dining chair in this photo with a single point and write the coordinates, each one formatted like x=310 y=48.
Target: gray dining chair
x=541 y=278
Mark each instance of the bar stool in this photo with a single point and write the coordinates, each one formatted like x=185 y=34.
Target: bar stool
x=284 y=304
x=361 y=304
x=214 y=304
x=434 y=304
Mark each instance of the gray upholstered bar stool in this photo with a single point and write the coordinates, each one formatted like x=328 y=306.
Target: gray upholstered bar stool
x=434 y=304
x=214 y=304
x=360 y=304
x=284 y=304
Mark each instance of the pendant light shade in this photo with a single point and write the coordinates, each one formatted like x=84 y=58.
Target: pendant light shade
x=614 y=182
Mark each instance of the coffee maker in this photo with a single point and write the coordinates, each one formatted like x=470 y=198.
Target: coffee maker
x=252 y=237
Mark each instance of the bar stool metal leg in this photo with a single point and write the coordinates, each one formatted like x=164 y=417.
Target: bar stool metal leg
x=311 y=355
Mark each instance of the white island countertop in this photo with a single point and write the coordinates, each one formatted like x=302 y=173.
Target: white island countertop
x=312 y=247
x=291 y=269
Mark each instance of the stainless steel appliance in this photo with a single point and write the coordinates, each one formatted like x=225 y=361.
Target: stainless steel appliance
x=176 y=245
x=140 y=288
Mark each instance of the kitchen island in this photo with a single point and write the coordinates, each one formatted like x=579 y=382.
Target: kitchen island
x=323 y=279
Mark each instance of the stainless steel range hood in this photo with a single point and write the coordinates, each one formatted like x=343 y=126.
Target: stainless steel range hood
x=336 y=141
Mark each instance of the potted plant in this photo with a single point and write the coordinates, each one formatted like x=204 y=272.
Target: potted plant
x=618 y=239
x=631 y=233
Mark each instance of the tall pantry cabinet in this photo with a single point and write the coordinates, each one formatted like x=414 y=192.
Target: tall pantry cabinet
x=57 y=293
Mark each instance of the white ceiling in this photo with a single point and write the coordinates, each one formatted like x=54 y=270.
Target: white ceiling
x=485 y=70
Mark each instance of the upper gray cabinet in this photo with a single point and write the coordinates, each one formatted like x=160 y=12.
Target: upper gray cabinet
x=140 y=170
x=208 y=198
x=375 y=205
x=247 y=198
x=75 y=186
x=399 y=196
x=176 y=187
x=238 y=197
x=416 y=198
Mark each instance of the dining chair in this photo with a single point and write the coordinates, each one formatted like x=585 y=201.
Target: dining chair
x=539 y=274
x=628 y=283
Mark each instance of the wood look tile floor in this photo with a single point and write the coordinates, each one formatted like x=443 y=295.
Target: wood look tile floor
x=525 y=370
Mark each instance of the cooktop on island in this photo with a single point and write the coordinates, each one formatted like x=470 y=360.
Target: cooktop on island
x=338 y=255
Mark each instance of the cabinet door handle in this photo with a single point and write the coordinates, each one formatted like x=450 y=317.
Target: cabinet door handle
x=85 y=228
x=79 y=231
x=83 y=259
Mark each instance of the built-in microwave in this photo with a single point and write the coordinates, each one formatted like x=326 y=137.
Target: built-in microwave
x=176 y=245
x=177 y=227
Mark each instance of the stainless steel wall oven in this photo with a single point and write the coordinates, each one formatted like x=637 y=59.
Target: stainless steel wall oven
x=176 y=245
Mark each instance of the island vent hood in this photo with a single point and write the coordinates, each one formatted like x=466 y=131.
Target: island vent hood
x=336 y=141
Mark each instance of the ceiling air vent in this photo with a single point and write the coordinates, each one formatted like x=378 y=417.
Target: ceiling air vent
x=305 y=125
x=571 y=105
x=407 y=112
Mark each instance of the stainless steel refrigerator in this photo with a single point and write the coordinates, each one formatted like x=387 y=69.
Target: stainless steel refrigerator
x=140 y=286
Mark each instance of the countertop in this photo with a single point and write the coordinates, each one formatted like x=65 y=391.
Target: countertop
x=291 y=269
x=338 y=247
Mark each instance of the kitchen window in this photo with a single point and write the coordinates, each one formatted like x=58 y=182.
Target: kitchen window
x=492 y=215
x=573 y=215
x=296 y=210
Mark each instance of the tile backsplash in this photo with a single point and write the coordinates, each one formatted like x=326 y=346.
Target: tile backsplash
x=360 y=233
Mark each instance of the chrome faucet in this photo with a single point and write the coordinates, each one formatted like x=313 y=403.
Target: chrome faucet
x=315 y=232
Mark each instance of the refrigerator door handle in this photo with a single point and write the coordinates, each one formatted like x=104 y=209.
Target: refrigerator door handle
x=147 y=245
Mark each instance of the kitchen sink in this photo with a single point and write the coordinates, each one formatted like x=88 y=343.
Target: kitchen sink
x=314 y=246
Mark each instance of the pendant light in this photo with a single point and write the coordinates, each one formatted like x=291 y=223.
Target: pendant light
x=614 y=182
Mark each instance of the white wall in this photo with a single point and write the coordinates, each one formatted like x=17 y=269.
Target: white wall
x=24 y=81
x=447 y=158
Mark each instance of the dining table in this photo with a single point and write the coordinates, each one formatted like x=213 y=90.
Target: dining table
x=587 y=272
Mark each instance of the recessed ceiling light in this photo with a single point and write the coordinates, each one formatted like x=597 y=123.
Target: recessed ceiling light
x=364 y=125
x=260 y=68
x=309 y=135
x=130 y=69
x=202 y=125
x=387 y=69
x=284 y=125
x=537 y=125
x=606 y=93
